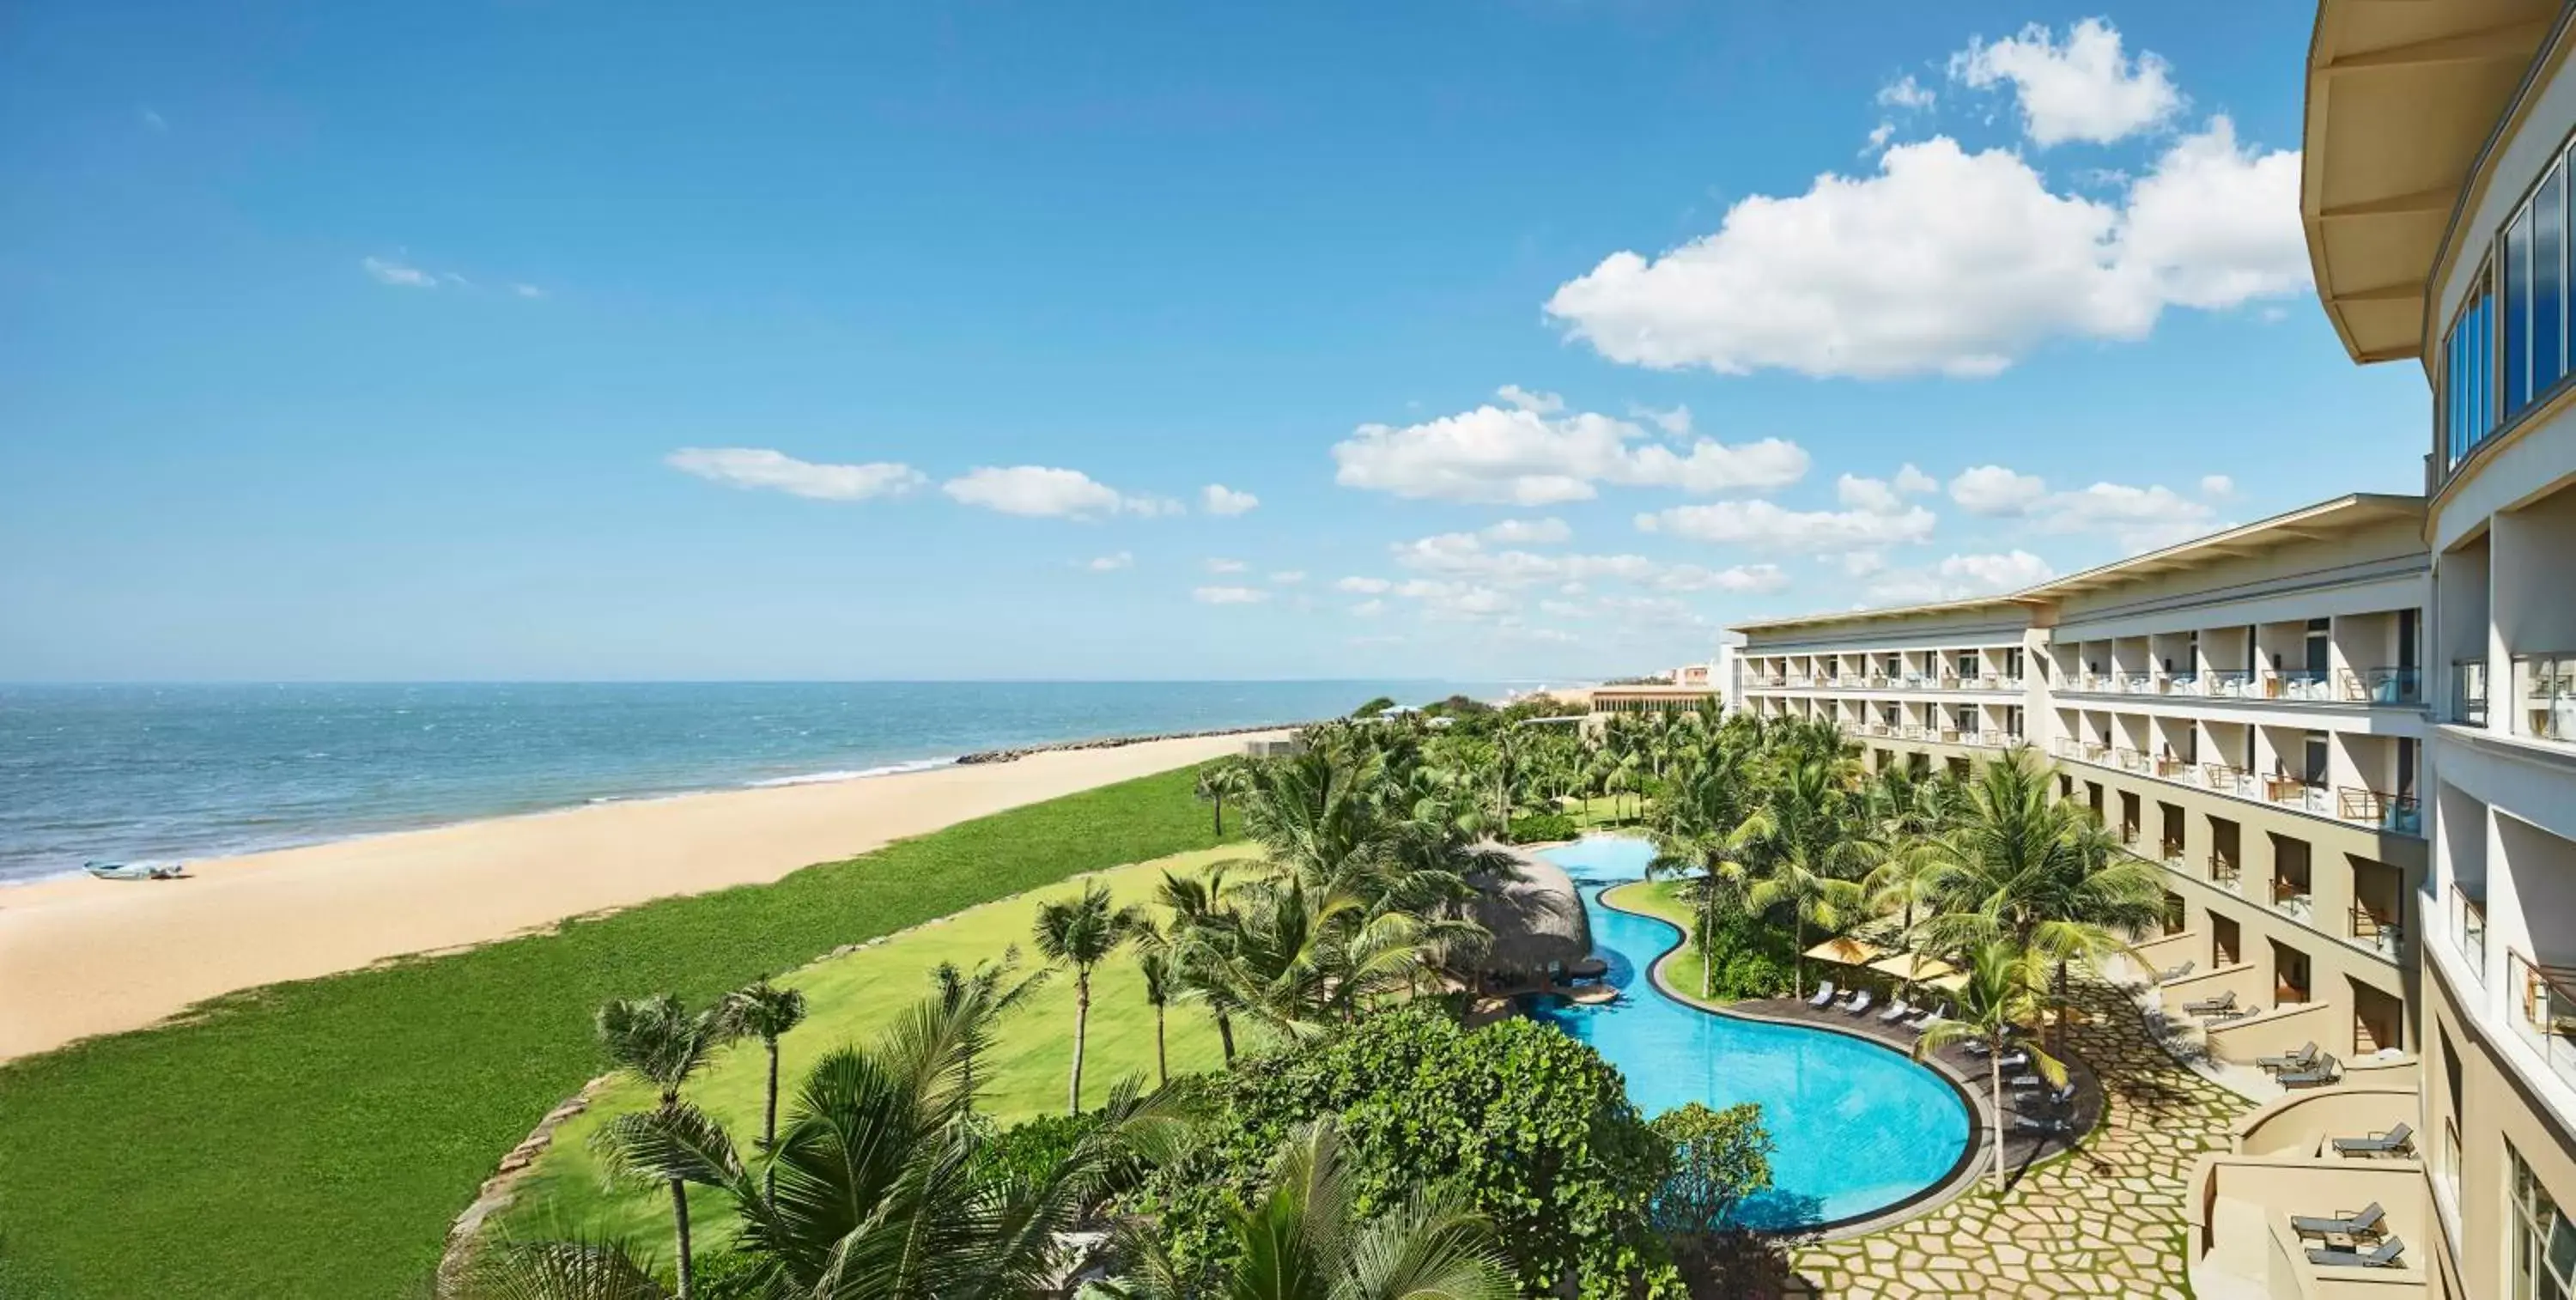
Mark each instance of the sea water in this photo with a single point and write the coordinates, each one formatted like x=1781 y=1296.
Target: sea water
x=121 y=772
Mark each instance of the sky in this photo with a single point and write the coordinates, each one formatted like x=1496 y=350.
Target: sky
x=1522 y=339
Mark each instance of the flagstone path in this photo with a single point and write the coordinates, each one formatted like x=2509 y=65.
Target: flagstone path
x=2105 y=1220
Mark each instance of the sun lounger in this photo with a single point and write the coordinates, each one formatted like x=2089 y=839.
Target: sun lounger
x=2231 y=1013
x=1824 y=994
x=2395 y=1142
x=2056 y=1096
x=1978 y=1047
x=2298 y=1060
x=2025 y=1081
x=1859 y=1003
x=2322 y=1072
x=2012 y=1060
x=2364 y=1224
x=2204 y=1006
x=1929 y=1018
x=2171 y=973
x=1897 y=1010
x=2030 y=1124
x=2384 y=1255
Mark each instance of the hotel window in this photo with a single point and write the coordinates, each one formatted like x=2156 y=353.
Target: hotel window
x=2535 y=279
x=2468 y=368
x=2544 y=1243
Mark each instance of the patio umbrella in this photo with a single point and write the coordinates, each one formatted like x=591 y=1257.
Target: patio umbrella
x=1843 y=950
x=1915 y=968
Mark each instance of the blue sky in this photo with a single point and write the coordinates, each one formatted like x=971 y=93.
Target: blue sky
x=1532 y=339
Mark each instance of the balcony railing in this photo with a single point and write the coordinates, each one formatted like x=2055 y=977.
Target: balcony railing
x=2378 y=933
x=2291 y=898
x=2226 y=778
x=2228 y=684
x=2174 y=854
x=2469 y=920
x=2224 y=873
x=2546 y=1002
x=2174 y=769
x=2130 y=760
x=2303 y=684
x=2544 y=691
x=2383 y=685
x=2294 y=792
x=2388 y=812
x=2469 y=692
x=2182 y=684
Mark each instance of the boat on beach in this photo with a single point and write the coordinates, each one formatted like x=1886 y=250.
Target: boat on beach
x=136 y=870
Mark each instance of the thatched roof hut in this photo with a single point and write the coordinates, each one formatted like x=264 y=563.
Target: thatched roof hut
x=1537 y=921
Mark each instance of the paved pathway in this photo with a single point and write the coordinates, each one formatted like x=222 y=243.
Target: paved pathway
x=2106 y=1220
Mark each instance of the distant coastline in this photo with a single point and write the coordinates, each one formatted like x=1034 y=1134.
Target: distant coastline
x=1119 y=742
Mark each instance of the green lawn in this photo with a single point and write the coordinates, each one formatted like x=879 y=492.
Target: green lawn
x=1659 y=898
x=850 y=998
x=314 y=1139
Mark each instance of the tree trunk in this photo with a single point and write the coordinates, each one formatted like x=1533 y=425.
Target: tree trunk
x=2057 y=1014
x=1225 y=1037
x=1162 y=1063
x=769 y=1132
x=1081 y=1023
x=680 y=1217
x=1798 y=963
x=1220 y=816
x=1995 y=1073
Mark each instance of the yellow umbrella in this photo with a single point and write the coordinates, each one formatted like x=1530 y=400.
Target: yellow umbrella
x=1913 y=968
x=1843 y=950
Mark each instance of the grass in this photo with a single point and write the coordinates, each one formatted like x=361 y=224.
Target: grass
x=315 y=1138
x=849 y=999
x=1662 y=899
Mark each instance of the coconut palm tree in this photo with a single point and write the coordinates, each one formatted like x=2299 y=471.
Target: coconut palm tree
x=1304 y=1240
x=1204 y=920
x=1799 y=848
x=2003 y=993
x=1082 y=932
x=1217 y=780
x=660 y=1042
x=764 y=1011
x=1155 y=962
x=972 y=1002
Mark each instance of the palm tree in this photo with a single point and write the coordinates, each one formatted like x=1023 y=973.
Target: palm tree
x=1216 y=780
x=658 y=1041
x=2002 y=994
x=1204 y=919
x=1082 y=932
x=1799 y=849
x=764 y=1011
x=972 y=1002
x=1304 y=1240
x=1154 y=962
x=2037 y=872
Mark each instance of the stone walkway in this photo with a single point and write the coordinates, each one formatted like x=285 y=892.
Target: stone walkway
x=2106 y=1220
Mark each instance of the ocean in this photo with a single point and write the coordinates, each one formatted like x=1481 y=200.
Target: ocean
x=127 y=772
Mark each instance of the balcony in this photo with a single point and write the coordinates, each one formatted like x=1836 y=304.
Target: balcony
x=2388 y=812
x=2224 y=873
x=2174 y=854
x=2129 y=760
x=2380 y=934
x=2469 y=931
x=2229 y=684
x=2303 y=685
x=2382 y=685
x=2546 y=1007
x=2296 y=793
x=2469 y=692
x=2544 y=691
x=2291 y=899
x=2227 y=778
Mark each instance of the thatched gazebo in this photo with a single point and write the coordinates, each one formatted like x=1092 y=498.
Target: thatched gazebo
x=1537 y=922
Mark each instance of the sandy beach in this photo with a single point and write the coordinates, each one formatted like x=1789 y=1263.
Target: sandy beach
x=81 y=957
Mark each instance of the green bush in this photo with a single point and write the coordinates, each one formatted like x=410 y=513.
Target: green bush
x=1534 y=1124
x=1539 y=828
x=1750 y=957
x=1030 y=1150
x=1719 y=1157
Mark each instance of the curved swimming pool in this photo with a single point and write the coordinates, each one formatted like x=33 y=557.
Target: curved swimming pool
x=1856 y=1127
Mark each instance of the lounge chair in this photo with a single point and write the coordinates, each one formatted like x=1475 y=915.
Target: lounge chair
x=1929 y=1018
x=2384 y=1255
x=1824 y=994
x=2025 y=1081
x=1859 y=1003
x=1897 y=1010
x=2298 y=1060
x=2231 y=1013
x=2395 y=1142
x=2204 y=1006
x=1978 y=1047
x=2364 y=1224
x=2031 y=1124
x=2322 y=1072
x=2012 y=1060
x=2171 y=973
x=2056 y=1096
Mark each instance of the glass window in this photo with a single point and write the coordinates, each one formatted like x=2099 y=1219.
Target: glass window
x=2544 y=1243
x=2469 y=368
x=2517 y=314
x=2548 y=280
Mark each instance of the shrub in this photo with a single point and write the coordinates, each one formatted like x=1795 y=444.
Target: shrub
x=1719 y=1157
x=1749 y=957
x=1539 y=828
x=1031 y=1150
x=1535 y=1127
x=1374 y=707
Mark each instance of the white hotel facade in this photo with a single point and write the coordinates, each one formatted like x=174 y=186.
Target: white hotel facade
x=2348 y=733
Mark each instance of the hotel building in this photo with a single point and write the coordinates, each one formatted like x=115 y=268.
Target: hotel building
x=2347 y=734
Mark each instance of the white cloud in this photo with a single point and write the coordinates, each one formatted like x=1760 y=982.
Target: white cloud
x=1288 y=577
x=2085 y=88
x=2217 y=487
x=1861 y=564
x=1365 y=586
x=1757 y=579
x=1766 y=526
x=1996 y=490
x=1948 y=262
x=151 y=120
x=1906 y=93
x=395 y=273
x=1456 y=600
x=525 y=290
x=1911 y=480
x=1111 y=563
x=1676 y=421
x=776 y=471
x=1229 y=595
x=2141 y=518
x=1464 y=554
x=1041 y=492
x=1530 y=452
x=1881 y=495
x=1369 y=608
x=1563 y=609
x=1218 y=499
x=1959 y=577
x=1527 y=532
x=1226 y=566
x=1879 y=135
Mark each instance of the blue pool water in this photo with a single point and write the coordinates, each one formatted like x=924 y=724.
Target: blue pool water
x=1856 y=1127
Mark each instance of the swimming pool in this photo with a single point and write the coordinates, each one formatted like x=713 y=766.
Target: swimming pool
x=1856 y=1127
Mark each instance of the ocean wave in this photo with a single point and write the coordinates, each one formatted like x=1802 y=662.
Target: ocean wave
x=825 y=778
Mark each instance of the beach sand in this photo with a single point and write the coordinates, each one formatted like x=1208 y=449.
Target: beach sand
x=82 y=956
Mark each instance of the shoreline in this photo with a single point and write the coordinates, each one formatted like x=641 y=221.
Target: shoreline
x=220 y=852
x=83 y=957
